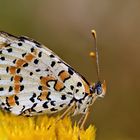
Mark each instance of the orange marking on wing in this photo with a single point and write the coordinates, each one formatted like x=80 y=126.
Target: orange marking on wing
x=43 y=95
x=29 y=57
x=20 y=62
x=64 y=75
x=2 y=44
x=44 y=80
x=17 y=78
x=86 y=86
x=12 y=70
x=11 y=100
x=44 y=88
x=59 y=85
x=17 y=88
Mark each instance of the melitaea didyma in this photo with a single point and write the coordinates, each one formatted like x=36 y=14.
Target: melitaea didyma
x=34 y=80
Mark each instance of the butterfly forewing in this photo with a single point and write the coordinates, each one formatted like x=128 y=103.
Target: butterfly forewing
x=33 y=78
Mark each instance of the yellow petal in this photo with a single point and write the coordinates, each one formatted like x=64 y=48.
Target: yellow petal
x=42 y=128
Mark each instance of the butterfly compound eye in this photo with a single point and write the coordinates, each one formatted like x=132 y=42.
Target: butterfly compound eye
x=100 y=89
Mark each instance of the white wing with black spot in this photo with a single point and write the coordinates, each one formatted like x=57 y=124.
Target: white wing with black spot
x=31 y=75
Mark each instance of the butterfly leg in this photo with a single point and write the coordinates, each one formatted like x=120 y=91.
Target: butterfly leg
x=67 y=111
x=84 y=117
x=83 y=121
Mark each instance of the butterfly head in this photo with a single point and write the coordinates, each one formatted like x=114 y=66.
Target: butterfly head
x=98 y=89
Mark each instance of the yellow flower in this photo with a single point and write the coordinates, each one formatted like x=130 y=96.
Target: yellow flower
x=36 y=128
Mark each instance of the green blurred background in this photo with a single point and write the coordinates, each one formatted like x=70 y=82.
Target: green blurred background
x=64 y=26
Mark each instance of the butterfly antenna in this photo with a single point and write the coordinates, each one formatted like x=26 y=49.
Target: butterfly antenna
x=95 y=54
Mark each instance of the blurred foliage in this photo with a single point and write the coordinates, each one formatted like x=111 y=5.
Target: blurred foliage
x=64 y=26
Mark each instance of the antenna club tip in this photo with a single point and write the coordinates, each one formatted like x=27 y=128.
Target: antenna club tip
x=92 y=54
x=94 y=33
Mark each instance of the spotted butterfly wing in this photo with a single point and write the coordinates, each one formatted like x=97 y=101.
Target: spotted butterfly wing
x=34 y=80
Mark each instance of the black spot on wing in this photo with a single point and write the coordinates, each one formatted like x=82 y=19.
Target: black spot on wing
x=14 y=61
x=36 y=61
x=37 y=70
x=79 y=84
x=39 y=54
x=70 y=71
x=77 y=90
x=18 y=70
x=69 y=93
x=32 y=99
x=11 y=79
x=7 y=109
x=53 y=103
x=9 y=50
x=24 y=54
x=7 y=69
x=53 y=109
x=45 y=105
x=22 y=108
x=47 y=69
x=31 y=73
x=21 y=79
x=61 y=105
x=39 y=87
x=25 y=65
x=63 y=97
x=32 y=49
x=10 y=88
x=19 y=44
x=16 y=100
x=59 y=62
x=1 y=88
x=71 y=87
x=32 y=108
x=53 y=63
x=52 y=56
x=21 y=87
x=2 y=58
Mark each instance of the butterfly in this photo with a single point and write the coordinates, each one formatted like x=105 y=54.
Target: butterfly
x=34 y=80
